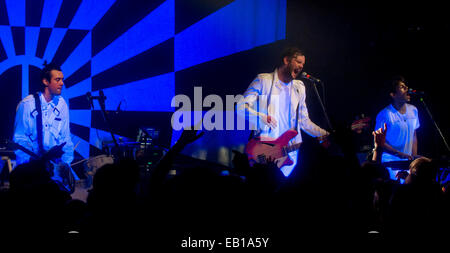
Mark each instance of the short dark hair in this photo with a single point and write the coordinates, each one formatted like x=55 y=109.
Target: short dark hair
x=46 y=71
x=290 y=52
x=394 y=83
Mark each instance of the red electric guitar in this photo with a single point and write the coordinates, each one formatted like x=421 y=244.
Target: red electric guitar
x=259 y=151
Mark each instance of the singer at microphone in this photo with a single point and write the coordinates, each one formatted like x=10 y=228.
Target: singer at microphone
x=282 y=90
x=402 y=121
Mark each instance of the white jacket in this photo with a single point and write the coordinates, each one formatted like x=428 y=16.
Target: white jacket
x=264 y=87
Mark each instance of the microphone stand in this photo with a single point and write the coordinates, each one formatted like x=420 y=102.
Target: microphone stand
x=434 y=122
x=101 y=101
x=323 y=106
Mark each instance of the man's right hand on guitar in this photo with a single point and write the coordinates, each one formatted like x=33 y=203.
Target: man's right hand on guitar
x=272 y=163
x=54 y=152
x=269 y=120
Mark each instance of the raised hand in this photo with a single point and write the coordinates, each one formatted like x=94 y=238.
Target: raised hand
x=379 y=136
x=189 y=136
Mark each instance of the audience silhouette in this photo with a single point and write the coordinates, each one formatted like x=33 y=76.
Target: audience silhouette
x=330 y=195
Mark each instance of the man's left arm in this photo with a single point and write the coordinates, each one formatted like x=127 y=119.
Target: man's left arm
x=414 y=145
x=416 y=126
x=305 y=123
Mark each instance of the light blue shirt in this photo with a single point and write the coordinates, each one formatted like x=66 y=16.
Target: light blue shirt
x=55 y=121
x=400 y=132
x=400 y=129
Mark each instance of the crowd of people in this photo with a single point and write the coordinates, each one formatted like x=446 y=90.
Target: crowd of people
x=328 y=196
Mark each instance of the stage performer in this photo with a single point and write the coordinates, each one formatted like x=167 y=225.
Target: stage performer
x=54 y=123
x=275 y=103
x=402 y=120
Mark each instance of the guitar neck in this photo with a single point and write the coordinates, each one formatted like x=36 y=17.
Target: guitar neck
x=291 y=148
x=23 y=149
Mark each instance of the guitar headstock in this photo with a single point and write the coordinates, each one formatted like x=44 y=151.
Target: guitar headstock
x=11 y=145
x=361 y=123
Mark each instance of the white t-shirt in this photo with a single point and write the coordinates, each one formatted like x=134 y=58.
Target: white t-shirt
x=401 y=128
x=282 y=102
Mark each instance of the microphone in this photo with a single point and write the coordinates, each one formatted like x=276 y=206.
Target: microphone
x=415 y=92
x=102 y=95
x=101 y=98
x=310 y=77
x=89 y=99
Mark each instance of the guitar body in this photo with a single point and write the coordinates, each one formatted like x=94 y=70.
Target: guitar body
x=62 y=173
x=259 y=151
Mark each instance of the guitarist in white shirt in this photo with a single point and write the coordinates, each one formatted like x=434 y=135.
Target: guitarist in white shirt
x=54 y=123
x=275 y=103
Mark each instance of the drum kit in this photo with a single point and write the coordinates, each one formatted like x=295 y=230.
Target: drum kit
x=143 y=151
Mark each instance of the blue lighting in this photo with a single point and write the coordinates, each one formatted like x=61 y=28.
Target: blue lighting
x=78 y=89
x=155 y=28
x=238 y=26
x=98 y=136
x=241 y=25
x=19 y=60
x=53 y=43
x=79 y=56
x=31 y=38
x=16 y=12
x=89 y=13
x=142 y=95
x=80 y=117
x=7 y=40
x=25 y=75
x=50 y=12
x=82 y=146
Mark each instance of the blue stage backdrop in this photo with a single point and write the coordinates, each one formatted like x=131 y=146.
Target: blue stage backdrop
x=141 y=54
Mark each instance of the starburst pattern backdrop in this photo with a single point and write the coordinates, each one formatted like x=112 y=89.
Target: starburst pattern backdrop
x=140 y=53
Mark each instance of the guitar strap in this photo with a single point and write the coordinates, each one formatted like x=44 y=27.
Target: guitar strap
x=296 y=116
x=37 y=102
x=68 y=183
x=252 y=133
x=268 y=102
